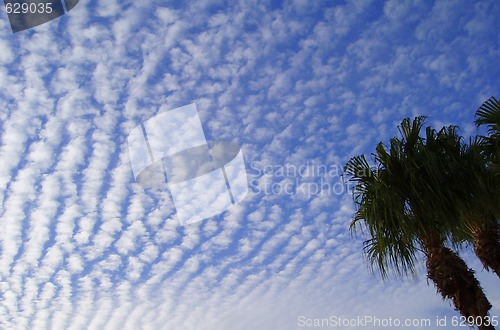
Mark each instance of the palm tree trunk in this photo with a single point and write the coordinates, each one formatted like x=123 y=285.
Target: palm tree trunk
x=487 y=244
x=455 y=281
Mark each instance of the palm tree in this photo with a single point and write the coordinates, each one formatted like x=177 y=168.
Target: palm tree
x=489 y=114
x=486 y=233
x=480 y=203
x=463 y=170
x=406 y=209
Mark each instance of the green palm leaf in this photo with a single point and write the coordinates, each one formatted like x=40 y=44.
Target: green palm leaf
x=489 y=114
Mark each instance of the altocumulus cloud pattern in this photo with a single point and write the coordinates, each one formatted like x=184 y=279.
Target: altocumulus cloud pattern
x=85 y=246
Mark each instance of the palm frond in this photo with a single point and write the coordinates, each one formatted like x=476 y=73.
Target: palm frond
x=410 y=132
x=489 y=114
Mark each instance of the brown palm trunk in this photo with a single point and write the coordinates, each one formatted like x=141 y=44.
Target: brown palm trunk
x=455 y=281
x=487 y=244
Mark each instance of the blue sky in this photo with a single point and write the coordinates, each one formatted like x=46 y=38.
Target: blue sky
x=296 y=83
